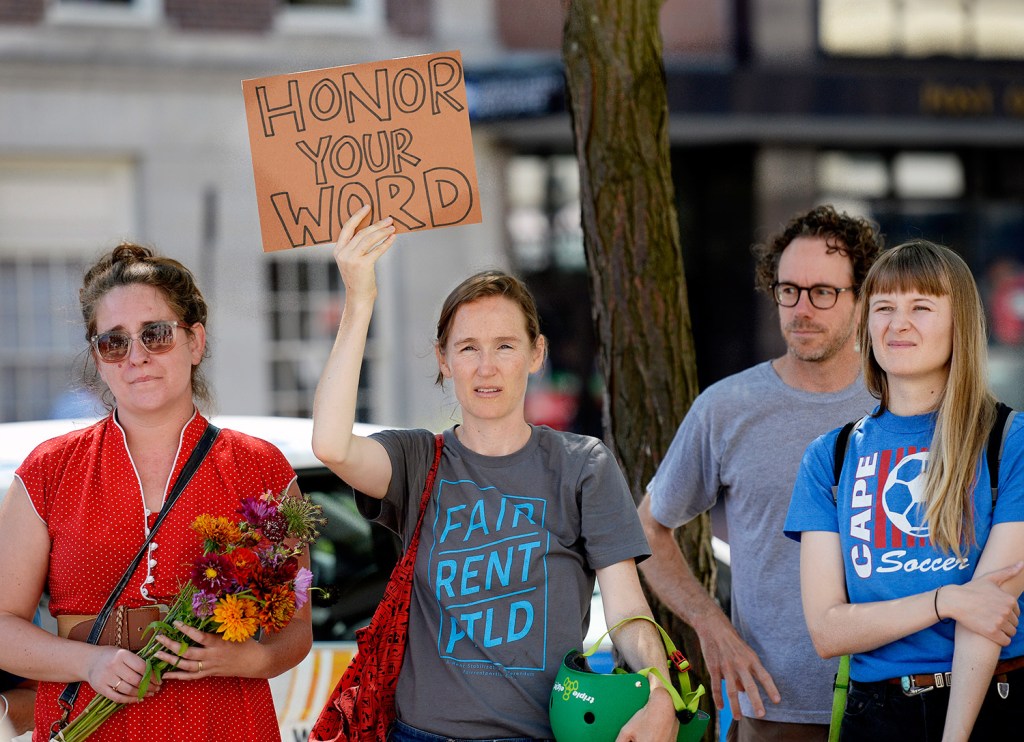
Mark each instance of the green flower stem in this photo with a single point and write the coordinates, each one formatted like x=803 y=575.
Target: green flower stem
x=303 y=519
x=101 y=708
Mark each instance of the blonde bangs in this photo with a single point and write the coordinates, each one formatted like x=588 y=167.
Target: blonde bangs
x=899 y=271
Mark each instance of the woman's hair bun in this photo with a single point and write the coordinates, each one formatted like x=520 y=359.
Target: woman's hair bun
x=128 y=252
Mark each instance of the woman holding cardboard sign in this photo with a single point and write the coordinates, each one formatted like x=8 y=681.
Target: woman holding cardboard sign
x=520 y=520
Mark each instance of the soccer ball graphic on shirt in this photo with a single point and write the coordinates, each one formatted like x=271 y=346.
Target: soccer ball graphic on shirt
x=903 y=495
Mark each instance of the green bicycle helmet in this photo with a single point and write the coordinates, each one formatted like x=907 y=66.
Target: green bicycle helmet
x=593 y=707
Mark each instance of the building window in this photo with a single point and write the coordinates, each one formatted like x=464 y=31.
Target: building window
x=305 y=299
x=981 y=29
x=543 y=220
x=856 y=178
x=545 y=235
x=352 y=17
x=56 y=216
x=106 y=12
x=41 y=338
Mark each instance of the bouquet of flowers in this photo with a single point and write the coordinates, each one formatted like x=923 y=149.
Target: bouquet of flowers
x=247 y=579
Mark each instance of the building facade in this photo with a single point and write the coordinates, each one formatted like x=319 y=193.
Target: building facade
x=124 y=119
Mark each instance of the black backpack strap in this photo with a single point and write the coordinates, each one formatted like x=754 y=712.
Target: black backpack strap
x=842 y=679
x=994 y=451
x=70 y=693
x=839 y=455
x=996 y=441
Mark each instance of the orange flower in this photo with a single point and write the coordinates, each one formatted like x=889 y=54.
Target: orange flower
x=217 y=532
x=237 y=618
x=276 y=608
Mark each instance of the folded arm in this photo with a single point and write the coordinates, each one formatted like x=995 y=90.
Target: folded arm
x=975 y=653
x=839 y=627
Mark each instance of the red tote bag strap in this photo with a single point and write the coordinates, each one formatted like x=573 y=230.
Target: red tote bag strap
x=414 y=542
x=362 y=706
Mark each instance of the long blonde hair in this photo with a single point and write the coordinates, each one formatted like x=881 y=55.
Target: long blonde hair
x=966 y=410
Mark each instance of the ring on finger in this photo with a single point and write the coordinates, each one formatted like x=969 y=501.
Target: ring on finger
x=200 y=665
x=116 y=685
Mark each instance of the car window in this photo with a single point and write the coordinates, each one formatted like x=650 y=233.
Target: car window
x=351 y=561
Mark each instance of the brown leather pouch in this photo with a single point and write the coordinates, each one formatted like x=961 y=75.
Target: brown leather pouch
x=125 y=628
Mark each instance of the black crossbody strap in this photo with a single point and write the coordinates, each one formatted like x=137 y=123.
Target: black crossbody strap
x=839 y=454
x=996 y=439
x=993 y=452
x=67 y=698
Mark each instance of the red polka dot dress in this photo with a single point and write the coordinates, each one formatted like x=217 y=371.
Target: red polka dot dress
x=84 y=486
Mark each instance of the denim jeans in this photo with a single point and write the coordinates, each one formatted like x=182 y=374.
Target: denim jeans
x=880 y=712
x=745 y=729
x=404 y=733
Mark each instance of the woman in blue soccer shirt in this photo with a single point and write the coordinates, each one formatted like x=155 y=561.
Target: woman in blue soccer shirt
x=912 y=569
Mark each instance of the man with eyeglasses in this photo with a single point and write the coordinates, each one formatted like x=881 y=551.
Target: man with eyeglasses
x=743 y=440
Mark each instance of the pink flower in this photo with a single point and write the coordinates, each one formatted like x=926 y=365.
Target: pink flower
x=203 y=604
x=256 y=511
x=303 y=580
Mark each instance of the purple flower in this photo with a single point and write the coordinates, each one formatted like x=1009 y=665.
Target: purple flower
x=303 y=580
x=203 y=604
x=256 y=511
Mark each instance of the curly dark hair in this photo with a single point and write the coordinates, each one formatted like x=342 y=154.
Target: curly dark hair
x=129 y=264
x=855 y=237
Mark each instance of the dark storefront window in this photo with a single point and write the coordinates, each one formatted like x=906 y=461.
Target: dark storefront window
x=714 y=202
x=304 y=301
x=546 y=239
x=969 y=201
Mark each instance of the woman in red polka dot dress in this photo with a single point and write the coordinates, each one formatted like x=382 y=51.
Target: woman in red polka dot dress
x=82 y=505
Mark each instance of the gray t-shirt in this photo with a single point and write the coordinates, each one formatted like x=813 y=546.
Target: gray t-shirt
x=743 y=439
x=504 y=573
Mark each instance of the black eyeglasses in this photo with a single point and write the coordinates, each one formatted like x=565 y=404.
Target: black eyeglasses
x=114 y=346
x=821 y=296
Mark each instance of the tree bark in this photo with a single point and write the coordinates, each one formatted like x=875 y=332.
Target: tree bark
x=616 y=87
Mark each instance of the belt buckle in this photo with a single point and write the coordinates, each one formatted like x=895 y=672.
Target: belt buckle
x=910 y=687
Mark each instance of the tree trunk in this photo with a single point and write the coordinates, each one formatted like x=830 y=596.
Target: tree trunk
x=616 y=86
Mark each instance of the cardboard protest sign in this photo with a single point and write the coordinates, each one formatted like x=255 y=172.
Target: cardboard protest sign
x=392 y=134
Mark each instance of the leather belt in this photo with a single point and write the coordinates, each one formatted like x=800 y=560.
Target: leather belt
x=125 y=628
x=914 y=684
